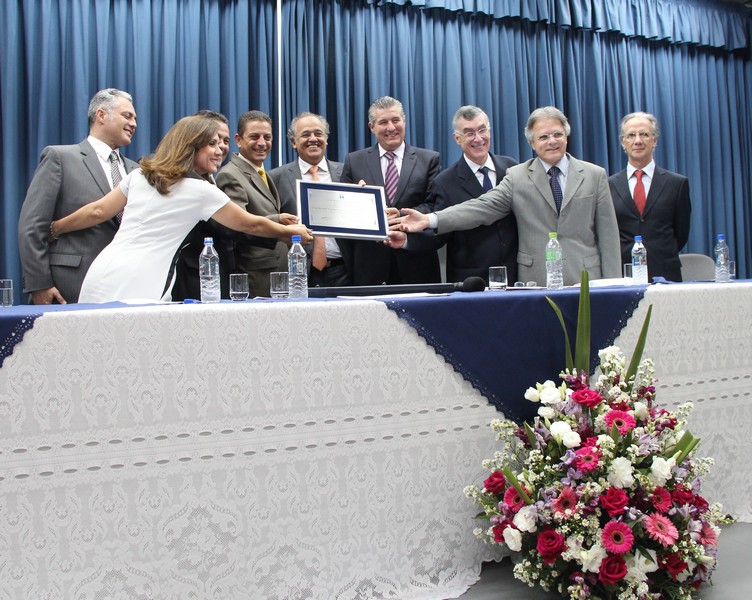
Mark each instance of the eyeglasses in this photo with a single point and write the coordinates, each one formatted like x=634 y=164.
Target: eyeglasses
x=631 y=136
x=469 y=134
x=557 y=135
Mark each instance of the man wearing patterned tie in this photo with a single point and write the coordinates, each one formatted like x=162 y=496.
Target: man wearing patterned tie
x=245 y=181
x=470 y=253
x=406 y=173
x=67 y=178
x=309 y=134
x=552 y=192
x=650 y=201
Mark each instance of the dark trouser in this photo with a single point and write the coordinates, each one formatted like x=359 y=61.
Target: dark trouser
x=334 y=275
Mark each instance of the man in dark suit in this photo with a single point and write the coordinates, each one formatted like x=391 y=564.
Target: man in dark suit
x=246 y=182
x=187 y=281
x=552 y=192
x=406 y=173
x=309 y=134
x=67 y=178
x=650 y=201
x=470 y=253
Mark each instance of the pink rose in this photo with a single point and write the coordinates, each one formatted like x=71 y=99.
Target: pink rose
x=550 y=545
x=613 y=570
x=495 y=483
x=614 y=501
x=589 y=398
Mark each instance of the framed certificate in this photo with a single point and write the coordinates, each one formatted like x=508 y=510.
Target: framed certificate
x=343 y=209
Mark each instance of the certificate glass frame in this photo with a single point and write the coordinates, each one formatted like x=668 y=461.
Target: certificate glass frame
x=344 y=210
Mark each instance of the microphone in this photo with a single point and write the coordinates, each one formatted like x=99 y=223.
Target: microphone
x=471 y=284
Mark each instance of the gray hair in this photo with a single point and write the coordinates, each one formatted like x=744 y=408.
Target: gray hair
x=292 y=131
x=547 y=112
x=381 y=103
x=468 y=113
x=106 y=99
x=641 y=115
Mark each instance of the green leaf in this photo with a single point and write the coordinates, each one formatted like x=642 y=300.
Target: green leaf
x=567 y=348
x=615 y=435
x=531 y=436
x=582 y=343
x=512 y=478
x=640 y=346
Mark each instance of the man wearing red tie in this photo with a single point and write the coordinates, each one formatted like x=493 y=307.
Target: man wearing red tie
x=650 y=201
x=406 y=173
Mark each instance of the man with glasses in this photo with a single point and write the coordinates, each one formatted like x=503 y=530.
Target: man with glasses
x=552 y=192
x=650 y=201
x=470 y=253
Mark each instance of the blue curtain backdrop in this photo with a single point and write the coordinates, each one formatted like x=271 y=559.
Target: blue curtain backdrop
x=688 y=62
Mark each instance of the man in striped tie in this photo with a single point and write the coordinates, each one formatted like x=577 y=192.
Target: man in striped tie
x=406 y=173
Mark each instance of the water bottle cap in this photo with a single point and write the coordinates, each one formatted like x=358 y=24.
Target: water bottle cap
x=552 y=235
x=638 y=238
x=296 y=239
x=208 y=240
x=721 y=236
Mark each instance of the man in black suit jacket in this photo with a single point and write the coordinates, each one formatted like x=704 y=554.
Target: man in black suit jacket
x=470 y=253
x=373 y=263
x=309 y=135
x=664 y=220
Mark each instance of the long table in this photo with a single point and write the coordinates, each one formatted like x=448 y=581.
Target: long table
x=293 y=449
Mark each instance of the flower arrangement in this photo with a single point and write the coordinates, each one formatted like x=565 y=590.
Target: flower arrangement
x=600 y=495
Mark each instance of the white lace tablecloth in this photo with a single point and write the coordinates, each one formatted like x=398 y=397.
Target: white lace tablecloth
x=256 y=451
x=701 y=341
x=291 y=450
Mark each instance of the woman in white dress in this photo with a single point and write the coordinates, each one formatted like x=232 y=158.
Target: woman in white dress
x=163 y=200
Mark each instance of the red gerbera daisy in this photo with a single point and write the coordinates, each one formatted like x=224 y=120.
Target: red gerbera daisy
x=587 y=459
x=617 y=537
x=567 y=500
x=661 y=499
x=623 y=420
x=513 y=499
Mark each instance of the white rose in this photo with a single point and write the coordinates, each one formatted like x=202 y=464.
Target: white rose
x=546 y=412
x=532 y=394
x=620 y=473
x=525 y=519
x=559 y=429
x=550 y=395
x=571 y=439
x=592 y=559
x=641 y=411
x=660 y=470
x=513 y=539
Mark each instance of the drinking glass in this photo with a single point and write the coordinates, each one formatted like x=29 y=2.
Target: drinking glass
x=627 y=270
x=278 y=284
x=6 y=290
x=238 y=287
x=732 y=269
x=497 y=278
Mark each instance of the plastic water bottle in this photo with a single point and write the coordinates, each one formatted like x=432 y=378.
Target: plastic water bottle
x=639 y=262
x=722 y=260
x=297 y=271
x=208 y=272
x=554 y=263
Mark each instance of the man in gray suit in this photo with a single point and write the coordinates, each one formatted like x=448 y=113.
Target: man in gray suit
x=67 y=178
x=247 y=184
x=308 y=135
x=553 y=192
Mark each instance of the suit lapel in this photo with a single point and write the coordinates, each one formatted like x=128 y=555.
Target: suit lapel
x=656 y=187
x=409 y=161
x=539 y=178
x=373 y=165
x=621 y=186
x=335 y=170
x=269 y=192
x=575 y=177
x=91 y=162
x=467 y=179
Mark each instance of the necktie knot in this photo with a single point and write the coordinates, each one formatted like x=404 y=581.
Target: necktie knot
x=262 y=174
x=314 y=172
x=554 y=172
x=486 y=183
x=638 y=173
